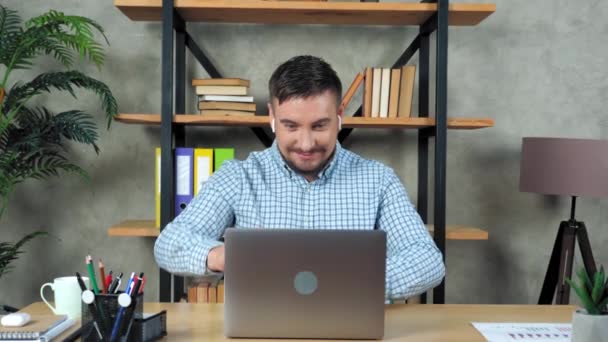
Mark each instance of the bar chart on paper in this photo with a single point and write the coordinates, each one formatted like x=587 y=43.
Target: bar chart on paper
x=545 y=332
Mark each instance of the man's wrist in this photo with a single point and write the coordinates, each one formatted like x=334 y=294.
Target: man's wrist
x=211 y=259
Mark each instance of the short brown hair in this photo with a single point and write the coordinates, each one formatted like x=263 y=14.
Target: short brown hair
x=303 y=77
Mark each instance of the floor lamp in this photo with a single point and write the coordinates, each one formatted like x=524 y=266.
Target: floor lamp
x=570 y=167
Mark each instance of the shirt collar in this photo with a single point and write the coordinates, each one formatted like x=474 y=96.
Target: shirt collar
x=323 y=174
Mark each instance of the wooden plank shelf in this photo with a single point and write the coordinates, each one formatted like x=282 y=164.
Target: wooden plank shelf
x=146 y=228
x=262 y=121
x=140 y=228
x=306 y=12
x=460 y=232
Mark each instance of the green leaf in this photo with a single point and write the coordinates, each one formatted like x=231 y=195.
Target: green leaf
x=66 y=81
x=41 y=128
x=28 y=237
x=74 y=31
x=10 y=22
x=598 y=286
x=584 y=297
x=7 y=179
x=54 y=34
x=10 y=252
x=10 y=28
x=584 y=279
x=33 y=141
x=78 y=126
x=34 y=148
x=49 y=164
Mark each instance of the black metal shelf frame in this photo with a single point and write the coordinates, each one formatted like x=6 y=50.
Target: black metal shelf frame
x=175 y=40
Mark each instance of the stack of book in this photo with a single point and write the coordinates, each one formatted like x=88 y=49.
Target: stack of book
x=387 y=93
x=208 y=289
x=223 y=96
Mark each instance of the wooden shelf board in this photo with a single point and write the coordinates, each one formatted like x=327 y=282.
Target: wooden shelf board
x=146 y=228
x=306 y=12
x=262 y=121
x=135 y=228
x=460 y=232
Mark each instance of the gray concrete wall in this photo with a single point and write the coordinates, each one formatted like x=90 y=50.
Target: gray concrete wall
x=538 y=68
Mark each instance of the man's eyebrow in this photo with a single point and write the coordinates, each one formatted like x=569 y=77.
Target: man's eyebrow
x=320 y=122
x=287 y=121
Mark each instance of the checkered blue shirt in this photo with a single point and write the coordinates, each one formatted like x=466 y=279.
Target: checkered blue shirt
x=262 y=191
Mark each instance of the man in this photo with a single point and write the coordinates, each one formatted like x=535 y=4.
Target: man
x=305 y=180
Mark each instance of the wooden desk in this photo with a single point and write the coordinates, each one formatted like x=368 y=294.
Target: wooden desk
x=204 y=322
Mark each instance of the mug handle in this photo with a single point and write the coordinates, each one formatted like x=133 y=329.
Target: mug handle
x=44 y=299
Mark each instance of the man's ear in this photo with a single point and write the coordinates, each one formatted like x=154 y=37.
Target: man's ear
x=271 y=115
x=340 y=117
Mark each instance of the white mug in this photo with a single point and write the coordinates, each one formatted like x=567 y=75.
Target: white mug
x=67 y=295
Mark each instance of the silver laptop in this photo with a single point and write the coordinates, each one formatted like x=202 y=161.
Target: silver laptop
x=286 y=283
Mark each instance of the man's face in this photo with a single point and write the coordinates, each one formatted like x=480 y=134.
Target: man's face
x=306 y=131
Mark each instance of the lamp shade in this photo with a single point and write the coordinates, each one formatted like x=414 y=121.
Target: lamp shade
x=562 y=166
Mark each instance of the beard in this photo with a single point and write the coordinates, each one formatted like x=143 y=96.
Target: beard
x=313 y=170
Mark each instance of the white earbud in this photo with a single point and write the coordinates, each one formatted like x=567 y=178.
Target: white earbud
x=272 y=125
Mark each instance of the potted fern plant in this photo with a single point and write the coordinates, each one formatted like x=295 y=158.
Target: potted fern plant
x=34 y=138
x=591 y=322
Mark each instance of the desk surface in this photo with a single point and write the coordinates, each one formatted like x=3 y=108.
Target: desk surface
x=196 y=322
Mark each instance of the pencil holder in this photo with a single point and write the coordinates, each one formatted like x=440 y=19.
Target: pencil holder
x=100 y=313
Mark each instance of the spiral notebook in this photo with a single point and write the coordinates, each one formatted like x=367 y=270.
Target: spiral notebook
x=40 y=328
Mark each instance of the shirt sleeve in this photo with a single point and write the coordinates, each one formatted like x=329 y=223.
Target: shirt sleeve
x=414 y=264
x=184 y=244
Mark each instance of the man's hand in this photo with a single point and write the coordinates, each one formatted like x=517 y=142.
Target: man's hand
x=215 y=259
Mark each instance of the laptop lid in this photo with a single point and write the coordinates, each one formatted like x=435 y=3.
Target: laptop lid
x=286 y=283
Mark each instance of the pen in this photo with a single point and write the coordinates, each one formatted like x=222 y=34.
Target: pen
x=81 y=283
x=129 y=283
x=102 y=276
x=140 y=285
x=136 y=290
x=89 y=262
x=95 y=307
x=121 y=311
x=108 y=281
x=143 y=282
x=117 y=323
x=88 y=297
x=115 y=283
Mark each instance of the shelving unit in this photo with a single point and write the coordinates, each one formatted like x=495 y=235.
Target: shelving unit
x=429 y=16
x=263 y=121
x=147 y=228
x=303 y=12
